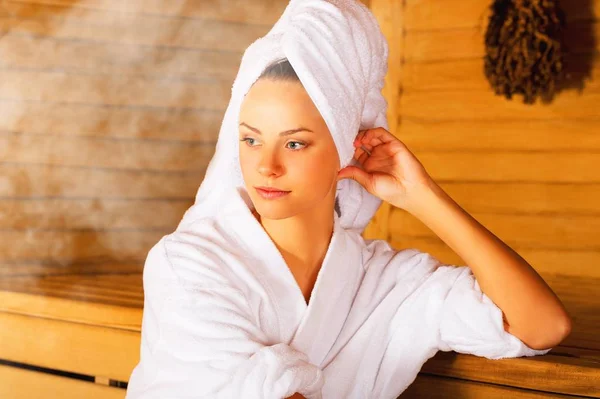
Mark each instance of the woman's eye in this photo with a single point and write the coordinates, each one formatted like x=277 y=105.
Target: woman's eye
x=247 y=140
x=297 y=142
x=295 y=145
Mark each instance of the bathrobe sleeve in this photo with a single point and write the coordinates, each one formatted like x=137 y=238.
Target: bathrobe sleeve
x=471 y=323
x=200 y=338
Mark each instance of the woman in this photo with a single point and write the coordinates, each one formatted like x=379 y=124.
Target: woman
x=273 y=294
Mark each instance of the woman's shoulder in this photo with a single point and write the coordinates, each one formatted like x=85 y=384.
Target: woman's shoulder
x=197 y=254
x=380 y=258
x=380 y=253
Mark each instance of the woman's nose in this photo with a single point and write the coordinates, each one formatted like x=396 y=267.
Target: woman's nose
x=269 y=164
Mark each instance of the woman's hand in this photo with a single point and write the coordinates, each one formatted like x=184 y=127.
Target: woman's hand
x=391 y=172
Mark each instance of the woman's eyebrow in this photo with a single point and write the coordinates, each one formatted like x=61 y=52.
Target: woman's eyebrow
x=284 y=133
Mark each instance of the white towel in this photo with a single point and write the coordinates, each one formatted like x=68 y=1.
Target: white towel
x=340 y=55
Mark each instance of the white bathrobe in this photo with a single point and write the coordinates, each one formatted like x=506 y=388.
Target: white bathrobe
x=225 y=318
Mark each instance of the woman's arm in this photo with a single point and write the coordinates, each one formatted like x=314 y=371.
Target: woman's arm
x=533 y=312
x=390 y=171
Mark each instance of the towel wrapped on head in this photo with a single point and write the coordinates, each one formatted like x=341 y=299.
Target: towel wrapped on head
x=340 y=56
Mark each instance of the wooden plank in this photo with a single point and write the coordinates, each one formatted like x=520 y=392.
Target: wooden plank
x=102 y=153
x=26 y=384
x=554 y=231
x=526 y=198
x=74 y=347
x=126 y=28
x=555 y=368
x=452 y=14
x=485 y=105
x=244 y=11
x=68 y=246
x=426 y=46
x=521 y=372
x=390 y=15
x=468 y=74
x=431 y=387
x=62 y=87
x=75 y=311
x=500 y=135
x=101 y=120
x=514 y=167
x=568 y=262
x=55 y=268
x=70 y=182
x=44 y=53
x=75 y=288
x=76 y=214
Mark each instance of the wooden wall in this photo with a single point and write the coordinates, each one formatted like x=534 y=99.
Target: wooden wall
x=109 y=114
x=529 y=173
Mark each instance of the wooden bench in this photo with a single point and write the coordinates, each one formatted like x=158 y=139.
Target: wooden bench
x=77 y=334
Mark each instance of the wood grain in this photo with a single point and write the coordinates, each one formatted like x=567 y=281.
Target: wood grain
x=25 y=384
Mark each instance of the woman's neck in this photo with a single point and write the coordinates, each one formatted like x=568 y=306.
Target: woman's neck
x=303 y=240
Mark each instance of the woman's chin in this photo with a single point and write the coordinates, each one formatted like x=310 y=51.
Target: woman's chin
x=269 y=211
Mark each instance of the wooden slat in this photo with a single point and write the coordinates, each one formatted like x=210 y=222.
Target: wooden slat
x=390 y=15
x=77 y=246
x=126 y=28
x=61 y=87
x=522 y=372
x=430 y=387
x=568 y=262
x=25 y=384
x=526 y=198
x=577 y=353
x=452 y=14
x=98 y=120
x=24 y=181
x=66 y=346
x=42 y=53
x=554 y=231
x=102 y=153
x=500 y=135
x=245 y=11
x=91 y=213
x=521 y=167
x=89 y=267
x=100 y=290
x=75 y=311
x=469 y=74
x=422 y=46
x=485 y=105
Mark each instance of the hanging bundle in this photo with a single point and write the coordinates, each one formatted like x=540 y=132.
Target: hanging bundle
x=524 y=48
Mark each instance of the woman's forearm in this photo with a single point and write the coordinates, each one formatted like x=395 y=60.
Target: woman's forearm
x=532 y=310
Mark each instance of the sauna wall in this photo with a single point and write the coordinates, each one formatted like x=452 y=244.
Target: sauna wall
x=109 y=115
x=529 y=173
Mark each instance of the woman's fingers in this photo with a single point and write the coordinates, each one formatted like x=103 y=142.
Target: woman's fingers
x=373 y=137
x=363 y=158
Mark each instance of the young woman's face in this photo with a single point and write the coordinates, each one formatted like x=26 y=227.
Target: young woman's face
x=305 y=163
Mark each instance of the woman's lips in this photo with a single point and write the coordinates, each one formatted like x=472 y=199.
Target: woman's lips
x=271 y=194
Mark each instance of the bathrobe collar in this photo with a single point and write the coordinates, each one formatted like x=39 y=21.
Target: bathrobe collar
x=311 y=328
